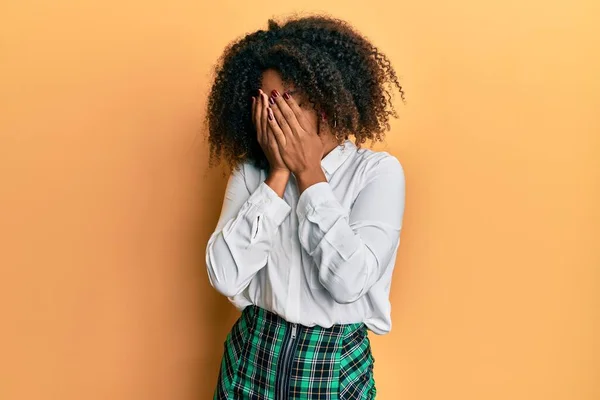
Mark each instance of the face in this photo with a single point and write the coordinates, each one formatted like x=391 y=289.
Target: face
x=271 y=80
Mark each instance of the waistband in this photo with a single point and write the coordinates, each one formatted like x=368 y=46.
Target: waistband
x=263 y=316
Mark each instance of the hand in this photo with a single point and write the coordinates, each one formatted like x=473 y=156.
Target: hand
x=264 y=134
x=299 y=145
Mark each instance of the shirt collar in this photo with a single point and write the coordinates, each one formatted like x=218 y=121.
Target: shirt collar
x=336 y=157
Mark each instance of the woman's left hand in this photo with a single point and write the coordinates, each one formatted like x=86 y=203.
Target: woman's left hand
x=300 y=147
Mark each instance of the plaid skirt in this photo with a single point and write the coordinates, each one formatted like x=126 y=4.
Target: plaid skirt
x=268 y=358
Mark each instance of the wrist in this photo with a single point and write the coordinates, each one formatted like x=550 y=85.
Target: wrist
x=277 y=180
x=309 y=177
x=309 y=172
x=279 y=173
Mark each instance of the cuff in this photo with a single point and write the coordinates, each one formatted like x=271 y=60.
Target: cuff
x=269 y=203
x=313 y=196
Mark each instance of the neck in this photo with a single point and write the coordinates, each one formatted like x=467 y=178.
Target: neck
x=329 y=143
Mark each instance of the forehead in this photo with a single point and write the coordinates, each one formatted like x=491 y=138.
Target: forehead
x=271 y=80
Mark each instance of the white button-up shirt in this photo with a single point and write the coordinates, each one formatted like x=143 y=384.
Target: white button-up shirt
x=324 y=257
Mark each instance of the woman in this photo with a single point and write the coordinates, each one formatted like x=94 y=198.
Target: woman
x=308 y=233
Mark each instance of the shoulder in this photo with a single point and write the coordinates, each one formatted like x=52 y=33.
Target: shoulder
x=249 y=173
x=373 y=164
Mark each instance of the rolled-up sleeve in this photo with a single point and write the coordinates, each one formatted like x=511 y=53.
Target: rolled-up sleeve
x=351 y=248
x=240 y=244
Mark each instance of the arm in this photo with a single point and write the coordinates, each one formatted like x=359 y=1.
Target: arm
x=351 y=251
x=239 y=246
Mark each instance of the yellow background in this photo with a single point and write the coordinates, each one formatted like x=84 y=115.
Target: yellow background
x=106 y=204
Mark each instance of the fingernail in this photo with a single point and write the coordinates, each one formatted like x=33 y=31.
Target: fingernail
x=274 y=93
x=260 y=92
x=286 y=96
x=270 y=114
x=271 y=101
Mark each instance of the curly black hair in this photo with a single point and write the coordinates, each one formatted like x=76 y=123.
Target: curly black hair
x=341 y=73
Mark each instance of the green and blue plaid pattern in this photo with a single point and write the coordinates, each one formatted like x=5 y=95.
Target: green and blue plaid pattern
x=324 y=363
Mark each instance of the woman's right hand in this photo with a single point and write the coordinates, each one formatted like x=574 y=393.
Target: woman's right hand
x=265 y=136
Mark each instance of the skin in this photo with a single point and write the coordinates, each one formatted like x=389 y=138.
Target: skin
x=287 y=132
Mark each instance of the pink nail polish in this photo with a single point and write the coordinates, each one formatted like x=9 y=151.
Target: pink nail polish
x=286 y=96
x=271 y=101
x=274 y=93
